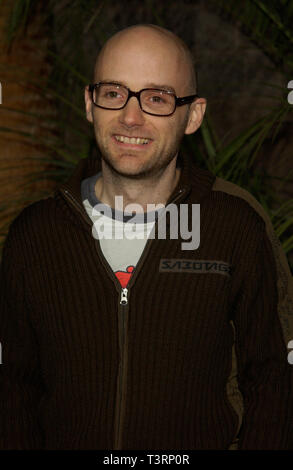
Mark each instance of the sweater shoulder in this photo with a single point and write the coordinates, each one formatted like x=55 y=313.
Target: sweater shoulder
x=242 y=202
x=25 y=229
x=32 y=220
x=35 y=213
x=250 y=210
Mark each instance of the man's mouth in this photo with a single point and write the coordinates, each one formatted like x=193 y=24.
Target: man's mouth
x=132 y=141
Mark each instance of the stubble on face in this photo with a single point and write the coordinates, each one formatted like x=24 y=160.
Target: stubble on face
x=152 y=163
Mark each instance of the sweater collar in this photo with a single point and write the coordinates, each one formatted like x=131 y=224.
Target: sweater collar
x=193 y=179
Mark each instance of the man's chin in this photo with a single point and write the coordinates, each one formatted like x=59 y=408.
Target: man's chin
x=129 y=166
x=134 y=173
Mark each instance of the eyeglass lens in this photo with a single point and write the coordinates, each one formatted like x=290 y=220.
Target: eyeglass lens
x=152 y=101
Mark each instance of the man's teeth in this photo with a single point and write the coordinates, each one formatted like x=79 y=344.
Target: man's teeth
x=132 y=140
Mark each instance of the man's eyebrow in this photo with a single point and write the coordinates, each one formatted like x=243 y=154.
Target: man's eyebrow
x=148 y=85
x=161 y=87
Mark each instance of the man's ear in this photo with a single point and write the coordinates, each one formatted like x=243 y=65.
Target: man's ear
x=88 y=104
x=196 y=114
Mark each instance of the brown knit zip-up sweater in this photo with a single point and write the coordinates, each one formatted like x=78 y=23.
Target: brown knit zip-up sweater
x=195 y=356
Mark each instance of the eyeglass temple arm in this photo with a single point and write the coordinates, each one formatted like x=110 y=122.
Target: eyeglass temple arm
x=185 y=100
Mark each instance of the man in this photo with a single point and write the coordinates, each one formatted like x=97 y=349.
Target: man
x=134 y=342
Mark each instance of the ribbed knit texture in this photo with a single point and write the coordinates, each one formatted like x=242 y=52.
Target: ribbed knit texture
x=61 y=344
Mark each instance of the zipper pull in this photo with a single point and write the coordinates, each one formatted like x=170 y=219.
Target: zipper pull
x=124 y=299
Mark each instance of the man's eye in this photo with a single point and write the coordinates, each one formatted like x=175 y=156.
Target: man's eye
x=111 y=94
x=157 y=99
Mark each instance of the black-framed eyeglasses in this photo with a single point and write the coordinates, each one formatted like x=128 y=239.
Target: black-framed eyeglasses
x=152 y=101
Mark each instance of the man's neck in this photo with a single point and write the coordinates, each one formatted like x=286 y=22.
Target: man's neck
x=156 y=190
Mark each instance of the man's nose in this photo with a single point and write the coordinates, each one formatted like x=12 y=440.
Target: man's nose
x=132 y=114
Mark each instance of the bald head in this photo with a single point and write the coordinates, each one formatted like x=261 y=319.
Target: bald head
x=152 y=37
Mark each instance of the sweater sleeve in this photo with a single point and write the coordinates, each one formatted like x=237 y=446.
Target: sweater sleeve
x=20 y=380
x=264 y=373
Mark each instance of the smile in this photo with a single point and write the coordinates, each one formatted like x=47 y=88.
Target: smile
x=132 y=140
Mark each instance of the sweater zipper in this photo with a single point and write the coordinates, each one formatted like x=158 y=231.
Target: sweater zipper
x=123 y=341
x=122 y=369
x=123 y=309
